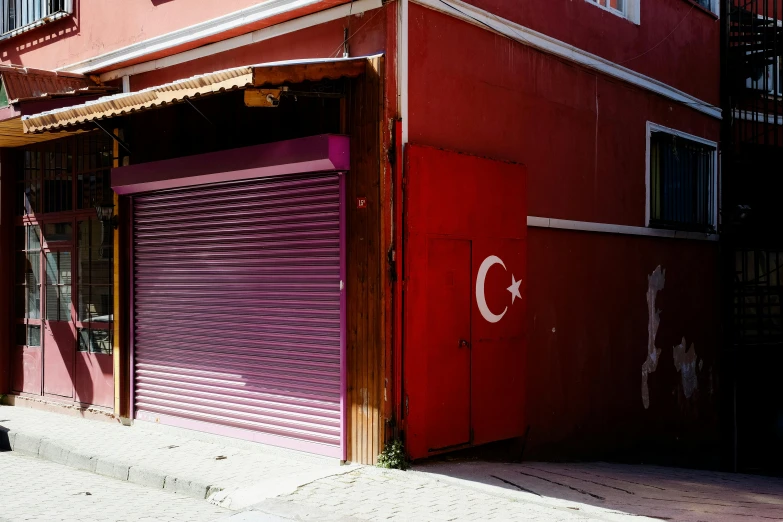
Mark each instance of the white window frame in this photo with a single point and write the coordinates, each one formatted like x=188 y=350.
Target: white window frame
x=630 y=11
x=714 y=7
x=654 y=127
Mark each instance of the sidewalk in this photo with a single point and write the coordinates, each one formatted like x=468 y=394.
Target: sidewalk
x=270 y=484
x=227 y=472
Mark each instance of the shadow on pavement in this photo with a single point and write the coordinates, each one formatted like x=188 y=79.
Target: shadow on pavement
x=648 y=491
x=5 y=443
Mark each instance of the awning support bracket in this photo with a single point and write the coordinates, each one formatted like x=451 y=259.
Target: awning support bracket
x=198 y=111
x=113 y=136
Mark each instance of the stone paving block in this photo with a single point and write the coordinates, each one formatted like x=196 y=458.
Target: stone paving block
x=189 y=488
x=27 y=444
x=111 y=469
x=146 y=477
x=81 y=461
x=51 y=450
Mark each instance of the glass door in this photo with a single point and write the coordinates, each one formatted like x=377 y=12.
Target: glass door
x=59 y=327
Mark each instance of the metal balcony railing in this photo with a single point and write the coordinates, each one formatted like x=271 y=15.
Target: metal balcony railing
x=754 y=70
x=17 y=16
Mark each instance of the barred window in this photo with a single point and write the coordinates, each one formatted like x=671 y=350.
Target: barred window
x=17 y=16
x=682 y=183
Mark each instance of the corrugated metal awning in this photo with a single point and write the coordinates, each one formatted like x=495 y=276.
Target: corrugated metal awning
x=266 y=74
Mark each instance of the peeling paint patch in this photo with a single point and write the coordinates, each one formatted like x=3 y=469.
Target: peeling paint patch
x=655 y=282
x=685 y=362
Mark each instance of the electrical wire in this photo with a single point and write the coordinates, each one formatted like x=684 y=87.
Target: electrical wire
x=336 y=52
x=664 y=39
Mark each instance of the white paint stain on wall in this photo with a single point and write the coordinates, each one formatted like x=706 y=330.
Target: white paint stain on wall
x=685 y=362
x=655 y=282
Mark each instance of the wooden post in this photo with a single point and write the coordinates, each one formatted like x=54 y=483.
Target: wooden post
x=366 y=267
x=121 y=409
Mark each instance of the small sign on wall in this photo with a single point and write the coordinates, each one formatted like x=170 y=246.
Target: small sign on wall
x=361 y=202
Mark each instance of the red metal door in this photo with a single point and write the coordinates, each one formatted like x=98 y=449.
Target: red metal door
x=498 y=326
x=59 y=330
x=448 y=343
x=463 y=200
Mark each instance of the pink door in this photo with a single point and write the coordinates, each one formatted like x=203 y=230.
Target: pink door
x=59 y=329
x=448 y=353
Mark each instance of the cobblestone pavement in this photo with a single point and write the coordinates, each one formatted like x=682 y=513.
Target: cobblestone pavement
x=530 y=491
x=370 y=495
x=280 y=485
x=36 y=490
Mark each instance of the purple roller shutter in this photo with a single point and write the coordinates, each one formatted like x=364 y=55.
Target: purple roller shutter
x=238 y=311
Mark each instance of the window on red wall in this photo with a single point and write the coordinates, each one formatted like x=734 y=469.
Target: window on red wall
x=683 y=185
x=617 y=5
x=624 y=8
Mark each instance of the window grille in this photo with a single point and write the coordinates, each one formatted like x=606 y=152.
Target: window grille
x=28 y=272
x=758 y=292
x=18 y=15
x=617 y=5
x=682 y=183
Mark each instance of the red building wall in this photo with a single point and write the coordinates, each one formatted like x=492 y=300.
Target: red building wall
x=677 y=41
x=582 y=137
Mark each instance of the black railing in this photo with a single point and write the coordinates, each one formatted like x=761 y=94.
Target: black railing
x=758 y=297
x=753 y=75
x=18 y=14
x=752 y=242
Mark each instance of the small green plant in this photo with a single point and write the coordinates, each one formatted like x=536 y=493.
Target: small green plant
x=393 y=456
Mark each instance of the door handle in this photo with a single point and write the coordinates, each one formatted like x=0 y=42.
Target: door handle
x=464 y=344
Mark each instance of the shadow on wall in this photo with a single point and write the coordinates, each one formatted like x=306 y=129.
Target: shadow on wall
x=13 y=49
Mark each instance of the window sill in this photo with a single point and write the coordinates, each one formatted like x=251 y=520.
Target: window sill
x=38 y=23
x=683 y=232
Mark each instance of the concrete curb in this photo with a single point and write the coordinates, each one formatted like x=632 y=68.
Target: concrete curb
x=51 y=450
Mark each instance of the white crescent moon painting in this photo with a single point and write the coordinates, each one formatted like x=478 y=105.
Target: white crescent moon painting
x=480 y=298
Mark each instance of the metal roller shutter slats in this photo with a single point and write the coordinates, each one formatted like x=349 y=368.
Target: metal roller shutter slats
x=237 y=317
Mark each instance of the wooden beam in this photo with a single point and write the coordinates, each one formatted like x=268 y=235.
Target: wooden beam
x=275 y=75
x=262 y=97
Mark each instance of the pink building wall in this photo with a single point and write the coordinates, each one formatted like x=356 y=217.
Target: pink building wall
x=101 y=26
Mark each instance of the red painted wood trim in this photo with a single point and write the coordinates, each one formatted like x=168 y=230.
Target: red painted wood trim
x=327 y=152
